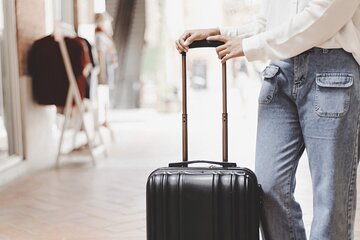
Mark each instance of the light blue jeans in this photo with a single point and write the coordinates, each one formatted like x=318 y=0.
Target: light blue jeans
x=312 y=102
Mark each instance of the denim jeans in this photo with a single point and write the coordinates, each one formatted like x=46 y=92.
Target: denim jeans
x=312 y=102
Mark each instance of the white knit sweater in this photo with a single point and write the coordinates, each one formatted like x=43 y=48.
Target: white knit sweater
x=287 y=28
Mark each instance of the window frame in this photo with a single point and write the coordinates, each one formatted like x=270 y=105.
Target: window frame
x=11 y=88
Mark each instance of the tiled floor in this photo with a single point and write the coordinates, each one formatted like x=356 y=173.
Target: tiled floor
x=80 y=202
x=75 y=203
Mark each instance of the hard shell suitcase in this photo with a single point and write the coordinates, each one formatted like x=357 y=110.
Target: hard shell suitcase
x=200 y=203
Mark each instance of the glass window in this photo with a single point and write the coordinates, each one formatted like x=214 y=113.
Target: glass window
x=64 y=10
x=99 y=6
x=4 y=141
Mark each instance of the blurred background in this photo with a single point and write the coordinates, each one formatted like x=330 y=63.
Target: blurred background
x=90 y=101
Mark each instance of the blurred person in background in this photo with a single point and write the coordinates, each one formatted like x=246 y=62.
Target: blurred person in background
x=310 y=99
x=106 y=48
x=107 y=56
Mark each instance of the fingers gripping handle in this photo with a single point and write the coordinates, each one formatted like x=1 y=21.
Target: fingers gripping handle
x=224 y=116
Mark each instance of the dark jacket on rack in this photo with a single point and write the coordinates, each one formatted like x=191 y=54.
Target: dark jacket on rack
x=50 y=83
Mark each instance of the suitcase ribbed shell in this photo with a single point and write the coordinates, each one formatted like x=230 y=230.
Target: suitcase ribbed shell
x=202 y=204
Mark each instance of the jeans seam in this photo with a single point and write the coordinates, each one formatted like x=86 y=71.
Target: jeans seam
x=291 y=178
x=353 y=173
x=350 y=189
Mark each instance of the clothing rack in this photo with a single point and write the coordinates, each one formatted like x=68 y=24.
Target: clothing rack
x=73 y=100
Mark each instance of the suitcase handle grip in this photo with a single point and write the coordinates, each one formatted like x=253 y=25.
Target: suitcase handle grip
x=185 y=164
x=205 y=43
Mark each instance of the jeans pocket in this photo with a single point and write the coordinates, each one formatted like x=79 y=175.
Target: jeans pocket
x=332 y=97
x=268 y=88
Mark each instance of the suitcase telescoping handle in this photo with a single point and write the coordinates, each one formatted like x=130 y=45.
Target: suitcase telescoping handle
x=224 y=117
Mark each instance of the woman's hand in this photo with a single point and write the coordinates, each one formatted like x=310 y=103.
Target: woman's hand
x=231 y=48
x=182 y=44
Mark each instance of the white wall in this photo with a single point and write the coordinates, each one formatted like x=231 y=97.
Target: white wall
x=39 y=124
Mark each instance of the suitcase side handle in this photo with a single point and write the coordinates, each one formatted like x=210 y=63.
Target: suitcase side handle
x=205 y=43
x=224 y=116
x=185 y=164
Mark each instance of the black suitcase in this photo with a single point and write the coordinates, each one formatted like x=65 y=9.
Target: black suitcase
x=200 y=203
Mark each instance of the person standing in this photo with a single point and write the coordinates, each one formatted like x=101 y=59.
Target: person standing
x=310 y=99
x=108 y=62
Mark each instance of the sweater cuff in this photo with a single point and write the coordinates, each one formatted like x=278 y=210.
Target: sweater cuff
x=253 y=48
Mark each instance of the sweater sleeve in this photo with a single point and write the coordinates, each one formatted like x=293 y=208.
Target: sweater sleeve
x=249 y=29
x=319 y=21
